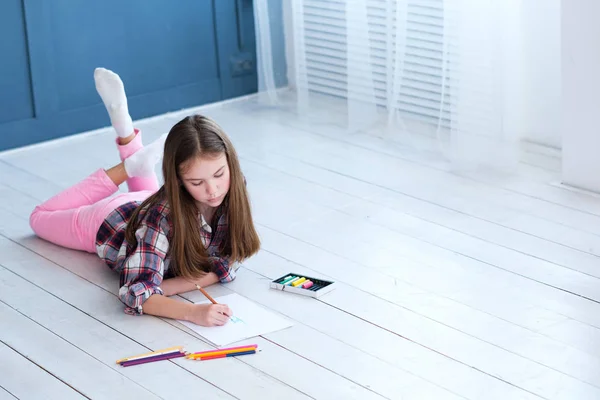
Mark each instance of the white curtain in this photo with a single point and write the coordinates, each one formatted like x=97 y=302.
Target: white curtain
x=469 y=79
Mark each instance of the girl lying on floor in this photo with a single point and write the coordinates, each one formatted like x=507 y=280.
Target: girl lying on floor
x=193 y=230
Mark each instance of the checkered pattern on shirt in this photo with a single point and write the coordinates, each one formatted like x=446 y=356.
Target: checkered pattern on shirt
x=143 y=266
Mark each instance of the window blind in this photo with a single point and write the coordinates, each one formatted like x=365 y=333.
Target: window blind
x=419 y=81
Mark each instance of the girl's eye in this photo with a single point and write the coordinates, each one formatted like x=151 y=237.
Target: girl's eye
x=198 y=184
x=218 y=176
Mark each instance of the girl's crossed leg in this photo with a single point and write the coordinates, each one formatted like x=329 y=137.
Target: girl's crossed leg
x=72 y=218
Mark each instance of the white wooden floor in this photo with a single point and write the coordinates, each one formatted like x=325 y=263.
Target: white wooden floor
x=478 y=287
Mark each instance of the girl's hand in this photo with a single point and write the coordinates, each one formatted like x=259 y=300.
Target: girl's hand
x=210 y=314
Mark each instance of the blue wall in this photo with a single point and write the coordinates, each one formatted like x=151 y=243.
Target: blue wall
x=15 y=86
x=169 y=58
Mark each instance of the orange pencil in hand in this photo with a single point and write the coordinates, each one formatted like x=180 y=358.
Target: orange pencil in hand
x=209 y=297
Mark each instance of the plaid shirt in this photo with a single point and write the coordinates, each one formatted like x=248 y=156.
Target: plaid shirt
x=143 y=266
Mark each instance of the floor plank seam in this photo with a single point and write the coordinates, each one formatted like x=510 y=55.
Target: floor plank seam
x=368 y=354
x=397 y=157
x=412 y=341
x=37 y=364
x=448 y=357
x=66 y=341
x=325 y=368
x=240 y=360
x=11 y=165
x=9 y=393
x=438 y=295
x=115 y=330
x=99 y=321
x=288 y=350
x=370 y=200
x=467 y=256
x=447 y=326
x=394 y=333
x=396 y=191
x=483 y=240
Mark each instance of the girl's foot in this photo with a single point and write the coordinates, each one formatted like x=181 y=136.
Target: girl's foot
x=111 y=90
x=142 y=162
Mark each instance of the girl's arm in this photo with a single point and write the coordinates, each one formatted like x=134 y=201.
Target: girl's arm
x=224 y=272
x=173 y=286
x=200 y=314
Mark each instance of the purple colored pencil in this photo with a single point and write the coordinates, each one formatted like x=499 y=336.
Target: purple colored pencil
x=154 y=358
x=151 y=357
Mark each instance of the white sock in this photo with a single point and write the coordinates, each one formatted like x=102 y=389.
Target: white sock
x=111 y=90
x=142 y=162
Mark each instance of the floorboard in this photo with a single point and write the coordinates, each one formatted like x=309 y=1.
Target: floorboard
x=62 y=359
x=21 y=378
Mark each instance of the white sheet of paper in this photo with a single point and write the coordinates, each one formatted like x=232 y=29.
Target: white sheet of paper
x=249 y=320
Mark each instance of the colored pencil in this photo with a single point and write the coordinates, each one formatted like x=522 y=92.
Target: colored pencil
x=239 y=353
x=173 y=353
x=223 y=349
x=166 y=353
x=218 y=352
x=150 y=354
x=152 y=359
x=208 y=296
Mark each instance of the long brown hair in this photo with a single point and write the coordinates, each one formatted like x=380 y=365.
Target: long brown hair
x=198 y=136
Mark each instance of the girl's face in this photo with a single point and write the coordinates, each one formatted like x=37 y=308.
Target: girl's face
x=207 y=179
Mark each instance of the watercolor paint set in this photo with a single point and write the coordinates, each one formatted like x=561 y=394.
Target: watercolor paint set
x=302 y=284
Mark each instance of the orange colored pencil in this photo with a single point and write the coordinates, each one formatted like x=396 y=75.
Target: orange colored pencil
x=223 y=349
x=237 y=353
x=220 y=352
x=208 y=296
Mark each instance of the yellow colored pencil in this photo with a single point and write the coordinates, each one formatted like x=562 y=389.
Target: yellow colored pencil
x=219 y=352
x=152 y=353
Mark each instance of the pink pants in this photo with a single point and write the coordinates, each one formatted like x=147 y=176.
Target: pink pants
x=73 y=217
